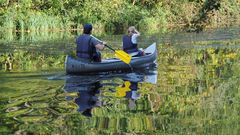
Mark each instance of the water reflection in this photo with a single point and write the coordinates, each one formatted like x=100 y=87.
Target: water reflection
x=129 y=90
x=90 y=89
x=88 y=99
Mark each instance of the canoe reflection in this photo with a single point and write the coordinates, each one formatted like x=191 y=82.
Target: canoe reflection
x=89 y=90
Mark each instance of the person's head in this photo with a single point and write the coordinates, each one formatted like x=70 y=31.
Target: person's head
x=131 y=30
x=87 y=29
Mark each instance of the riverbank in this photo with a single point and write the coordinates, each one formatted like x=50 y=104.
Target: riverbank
x=115 y=16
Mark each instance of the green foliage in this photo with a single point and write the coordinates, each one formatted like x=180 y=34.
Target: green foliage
x=156 y=22
x=229 y=12
x=114 y=15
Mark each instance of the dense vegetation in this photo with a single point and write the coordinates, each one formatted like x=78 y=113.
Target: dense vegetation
x=116 y=15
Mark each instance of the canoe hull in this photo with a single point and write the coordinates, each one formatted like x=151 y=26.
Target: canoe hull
x=76 y=66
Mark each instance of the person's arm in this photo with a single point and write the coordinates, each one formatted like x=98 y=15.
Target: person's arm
x=135 y=35
x=100 y=46
x=136 y=32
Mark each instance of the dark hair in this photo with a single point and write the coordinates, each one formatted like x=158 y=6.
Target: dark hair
x=87 y=29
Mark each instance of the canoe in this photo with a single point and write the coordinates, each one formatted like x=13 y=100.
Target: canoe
x=78 y=66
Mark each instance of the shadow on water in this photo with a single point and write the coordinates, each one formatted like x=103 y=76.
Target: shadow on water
x=88 y=90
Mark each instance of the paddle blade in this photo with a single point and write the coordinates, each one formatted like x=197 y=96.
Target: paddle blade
x=123 y=56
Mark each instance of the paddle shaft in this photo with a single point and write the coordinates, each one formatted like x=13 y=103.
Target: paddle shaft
x=105 y=44
x=123 y=56
x=109 y=47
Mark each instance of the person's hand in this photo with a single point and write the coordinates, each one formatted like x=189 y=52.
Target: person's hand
x=136 y=31
x=104 y=43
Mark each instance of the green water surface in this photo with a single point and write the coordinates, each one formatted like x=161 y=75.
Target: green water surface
x=196 y=89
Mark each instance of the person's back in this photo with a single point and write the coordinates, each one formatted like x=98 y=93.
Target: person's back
x=128 y=45
x=85 y=49
x=88 y=46
x=130 y=42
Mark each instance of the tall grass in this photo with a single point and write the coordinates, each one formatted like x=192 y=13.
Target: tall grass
x=31 y=21
x=111 y=15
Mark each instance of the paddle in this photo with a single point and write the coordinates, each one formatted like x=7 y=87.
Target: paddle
x=123 y=56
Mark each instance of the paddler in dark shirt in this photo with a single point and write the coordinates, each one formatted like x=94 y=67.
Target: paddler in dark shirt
x=87 y=46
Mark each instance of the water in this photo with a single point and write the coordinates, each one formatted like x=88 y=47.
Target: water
x=193 y=90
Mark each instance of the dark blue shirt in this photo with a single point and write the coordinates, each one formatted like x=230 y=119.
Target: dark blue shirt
x=86 y=46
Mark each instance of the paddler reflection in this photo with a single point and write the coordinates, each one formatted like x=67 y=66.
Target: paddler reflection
x=97 y=91
x=88 y=99
x=87 y=94
x=129 y=91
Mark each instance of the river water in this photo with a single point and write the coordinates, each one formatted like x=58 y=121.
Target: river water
x=193 y=90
